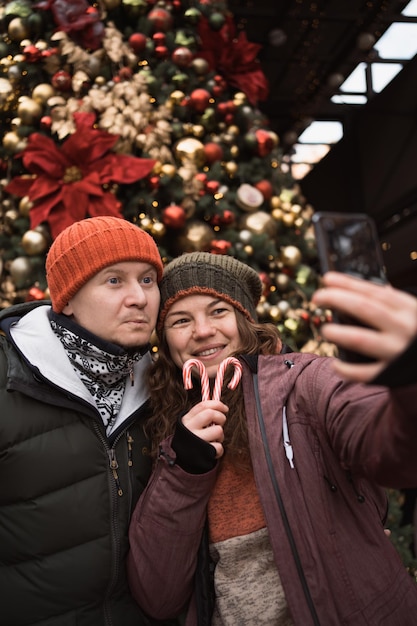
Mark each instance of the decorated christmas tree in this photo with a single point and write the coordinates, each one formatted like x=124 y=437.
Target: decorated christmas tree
x=150 y=111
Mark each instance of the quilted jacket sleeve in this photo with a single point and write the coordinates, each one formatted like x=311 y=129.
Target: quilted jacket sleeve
x=171 y=512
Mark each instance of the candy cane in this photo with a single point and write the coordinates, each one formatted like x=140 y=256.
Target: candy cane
x=188 y=383
x=218 y=383
x=237 y=374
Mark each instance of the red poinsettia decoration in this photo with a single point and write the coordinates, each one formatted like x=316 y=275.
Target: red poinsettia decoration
x=72 y=182
x=78 y=19
x=235 y=58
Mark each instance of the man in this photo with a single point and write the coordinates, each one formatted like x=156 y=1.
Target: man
x=73 y=455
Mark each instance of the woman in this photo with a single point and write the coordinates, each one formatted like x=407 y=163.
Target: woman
x=264 y=506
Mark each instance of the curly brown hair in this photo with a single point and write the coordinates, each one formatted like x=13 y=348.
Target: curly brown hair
x=169 y=399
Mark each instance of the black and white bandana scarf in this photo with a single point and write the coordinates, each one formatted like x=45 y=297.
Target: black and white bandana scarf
x=103 y=373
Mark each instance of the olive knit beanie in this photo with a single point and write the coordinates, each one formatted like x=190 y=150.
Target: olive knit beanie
x=88 y=246
x=210 y=274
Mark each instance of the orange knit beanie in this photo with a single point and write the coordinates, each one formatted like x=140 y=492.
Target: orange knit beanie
x=88 y=246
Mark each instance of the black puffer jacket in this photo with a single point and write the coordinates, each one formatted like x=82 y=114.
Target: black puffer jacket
x=64 y=512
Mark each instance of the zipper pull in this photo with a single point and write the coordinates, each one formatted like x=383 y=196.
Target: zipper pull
x=129 y=449
x=289 y=452
x=113 y=466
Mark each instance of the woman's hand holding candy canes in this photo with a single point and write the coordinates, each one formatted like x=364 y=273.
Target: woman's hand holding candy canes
x=206 y=419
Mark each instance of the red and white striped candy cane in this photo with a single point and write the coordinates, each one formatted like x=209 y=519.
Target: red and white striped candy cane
x=186 y=375
x=218 y=383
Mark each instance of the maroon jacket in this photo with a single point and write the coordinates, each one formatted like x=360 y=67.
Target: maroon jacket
x=324 y=515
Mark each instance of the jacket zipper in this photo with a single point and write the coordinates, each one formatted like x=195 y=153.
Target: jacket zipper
x=116 y=493
x=280 y=502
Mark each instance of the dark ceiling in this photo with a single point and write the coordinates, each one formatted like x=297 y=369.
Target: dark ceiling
x=308 y=46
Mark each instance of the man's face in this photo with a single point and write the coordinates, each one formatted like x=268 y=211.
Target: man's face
x=119 y=304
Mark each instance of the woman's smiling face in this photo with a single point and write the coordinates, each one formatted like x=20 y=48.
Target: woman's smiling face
x=201 y=327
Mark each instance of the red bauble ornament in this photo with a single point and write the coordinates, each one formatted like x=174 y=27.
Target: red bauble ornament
x=154 y=181
x=222 y=109
x=265 y=187
x=137 y=42
x=265 y=142
x=213 y=152
x=201 y=177
x=220 y=246
x=212 y=186
x=174 y=216
x=199 y=99
x=46 y=122
x=217 y=91
x=161 y=52
x=62 y=81
x=35 y=293
x=125 y=73
x=228 y=217
x=159 y=39
x=32 y=53
x=161 y=19
x=266 y=283
x=182 y=56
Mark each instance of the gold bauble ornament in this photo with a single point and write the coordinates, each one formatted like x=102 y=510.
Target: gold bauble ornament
x=146 y=223
x=282 y=282
x=234 y=152
x=191 y=150
x=10 y=217
x=296 y=209
x=158 y=230
x=274 y=138
x=322 y=348
x=42 y=92
x=34 y=242
x=275 y=314
x=176 y=97
x=42 y=45
x=262 y=309
x=17 y=30
x=168 y=169
x=187 y=172
x=258 y=223
x=275 y=202
x=284 y=307
x=196 y=236
x=277 y=214
x=19 y=58
x=231 y=168
x=25 y=206
x=200 y=66
x=291 y=256
x=157 y=168
x=21 y=272
x=11 y=142
x=6 y=89
x=198 y=130
x=15 y=124
x=45 y=232
x=240 y=98
x=29 y=111
x=14 y=73
x=288 y=219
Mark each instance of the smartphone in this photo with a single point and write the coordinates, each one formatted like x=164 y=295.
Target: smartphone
x=349 y=243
